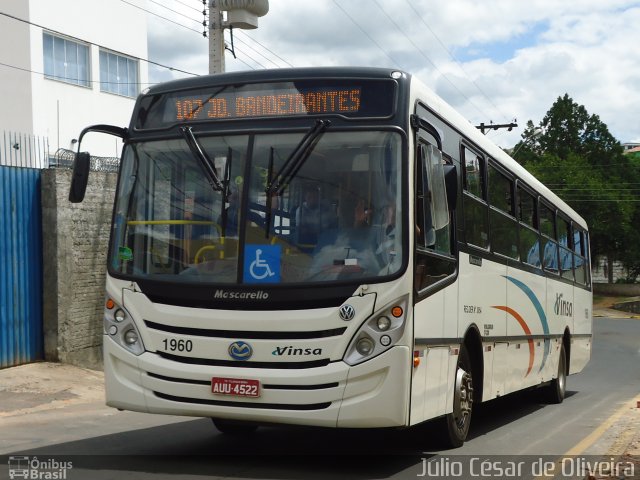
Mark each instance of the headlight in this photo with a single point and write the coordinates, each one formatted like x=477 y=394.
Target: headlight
x=379 y=333
x=365 y=346
x=383 y=323
x=119 y=326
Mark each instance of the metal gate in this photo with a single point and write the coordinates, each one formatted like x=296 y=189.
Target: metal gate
x=21 y=335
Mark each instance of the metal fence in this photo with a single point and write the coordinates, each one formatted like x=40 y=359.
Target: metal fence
x=63 y=158
x=23 y=150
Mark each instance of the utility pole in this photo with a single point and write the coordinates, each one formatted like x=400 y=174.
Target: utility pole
x=216 y=38
x=240 y=14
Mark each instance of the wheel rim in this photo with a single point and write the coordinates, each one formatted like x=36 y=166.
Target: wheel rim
x=463 y=399
x=562 y=376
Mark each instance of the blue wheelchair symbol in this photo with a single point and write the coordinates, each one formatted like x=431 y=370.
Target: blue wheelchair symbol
x=262 y=264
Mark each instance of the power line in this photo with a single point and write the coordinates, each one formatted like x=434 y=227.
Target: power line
x=251 y=58
x=250 y=47
x=175 y=11
x=367 y=35
x=70 y=79
x=266 y=48
x=160 y=16
x=189 y=6
x=454 y=58
x=426 y=56
x=90 y=43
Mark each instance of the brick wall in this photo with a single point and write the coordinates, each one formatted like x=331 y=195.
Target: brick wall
x=75 y=247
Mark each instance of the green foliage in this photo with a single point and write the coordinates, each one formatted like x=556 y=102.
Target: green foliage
x=575 y=155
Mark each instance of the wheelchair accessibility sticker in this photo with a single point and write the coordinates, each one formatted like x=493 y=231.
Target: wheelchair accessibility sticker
x=262 y=264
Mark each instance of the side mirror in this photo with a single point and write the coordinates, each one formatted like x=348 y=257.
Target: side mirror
x=451 y=182
x=80 y=177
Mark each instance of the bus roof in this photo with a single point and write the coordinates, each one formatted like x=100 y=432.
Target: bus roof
x=274 y=75
x=460 y=123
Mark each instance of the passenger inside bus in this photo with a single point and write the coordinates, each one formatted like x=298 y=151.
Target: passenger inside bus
x=312 y=217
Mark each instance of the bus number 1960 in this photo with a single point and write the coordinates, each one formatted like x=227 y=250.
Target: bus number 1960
x=175 y=345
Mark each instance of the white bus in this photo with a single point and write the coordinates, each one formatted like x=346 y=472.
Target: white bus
x=331 y=247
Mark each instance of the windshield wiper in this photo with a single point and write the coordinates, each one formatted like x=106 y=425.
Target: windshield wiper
x=298 y=156
x=207 y=164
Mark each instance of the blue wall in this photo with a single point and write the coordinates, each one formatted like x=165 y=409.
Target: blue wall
x=21 y=335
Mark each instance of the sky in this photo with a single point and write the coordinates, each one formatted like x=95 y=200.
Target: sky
x=494 y=61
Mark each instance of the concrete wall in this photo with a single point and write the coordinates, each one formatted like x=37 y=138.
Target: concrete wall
x=75 y=247
x=617 y=289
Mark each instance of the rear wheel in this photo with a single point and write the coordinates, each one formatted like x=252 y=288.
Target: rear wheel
x=555 y=391
x=458 y=421
x=234 y=427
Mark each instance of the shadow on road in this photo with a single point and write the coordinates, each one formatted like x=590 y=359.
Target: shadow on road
x=195 y=447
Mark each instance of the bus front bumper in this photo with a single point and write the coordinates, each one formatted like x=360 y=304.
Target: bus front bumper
x=370 y=395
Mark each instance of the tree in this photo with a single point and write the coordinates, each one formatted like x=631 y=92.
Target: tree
x=574 y=153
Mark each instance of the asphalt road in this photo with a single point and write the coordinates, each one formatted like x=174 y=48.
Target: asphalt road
x=103 y=443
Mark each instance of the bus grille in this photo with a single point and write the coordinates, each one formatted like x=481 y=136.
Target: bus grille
x=244 y=364
x=191 y=381
x=226 y=403
x=250 y=335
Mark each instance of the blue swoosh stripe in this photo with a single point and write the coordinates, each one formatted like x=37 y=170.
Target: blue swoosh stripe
x=543 y=317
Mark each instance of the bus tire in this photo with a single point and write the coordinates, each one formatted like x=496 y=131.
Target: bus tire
x=555 y=391
x=234 y=427
x=458 y=421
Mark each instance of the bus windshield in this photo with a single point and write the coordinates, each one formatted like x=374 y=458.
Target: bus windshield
x=336 y=217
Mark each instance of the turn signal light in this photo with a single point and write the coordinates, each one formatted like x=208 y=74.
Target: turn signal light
x=110 y=304
x=416 y=359
x=397 y=311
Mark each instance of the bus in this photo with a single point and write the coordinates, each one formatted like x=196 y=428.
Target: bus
x=332 y=247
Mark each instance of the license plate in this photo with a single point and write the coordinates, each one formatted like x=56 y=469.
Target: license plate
x=239 y=387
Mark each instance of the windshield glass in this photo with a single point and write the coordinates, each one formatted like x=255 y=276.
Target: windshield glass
x=338 y=217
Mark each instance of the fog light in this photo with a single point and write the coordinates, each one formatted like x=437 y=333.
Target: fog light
x=365 y=346
x=113 y=330
x=385 y=340
x=131 y=337
x=119 y=315
x=383 y=324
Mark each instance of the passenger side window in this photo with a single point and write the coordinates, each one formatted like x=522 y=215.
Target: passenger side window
x=473 y=173
x=504 y=229
x=566 y=256
x=474 y=204
x=549 y=244
x=529 y=237
x=580 y=256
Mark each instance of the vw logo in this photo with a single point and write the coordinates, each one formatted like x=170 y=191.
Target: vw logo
x=347 y=312
x=240 y=351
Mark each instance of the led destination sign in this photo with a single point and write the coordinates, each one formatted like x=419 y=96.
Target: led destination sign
x=341 y=101
x=347 y=98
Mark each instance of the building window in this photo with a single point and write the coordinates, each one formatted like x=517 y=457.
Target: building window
x=118 y=74
x=66 y=60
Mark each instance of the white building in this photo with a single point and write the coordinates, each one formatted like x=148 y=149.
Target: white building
x=67 y=64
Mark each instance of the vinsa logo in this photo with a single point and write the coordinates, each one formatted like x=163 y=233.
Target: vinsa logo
x=563 y=307
x=293 y=351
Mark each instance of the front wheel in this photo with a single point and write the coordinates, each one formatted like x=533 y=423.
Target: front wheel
x=234 y=427
x=458 y=421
